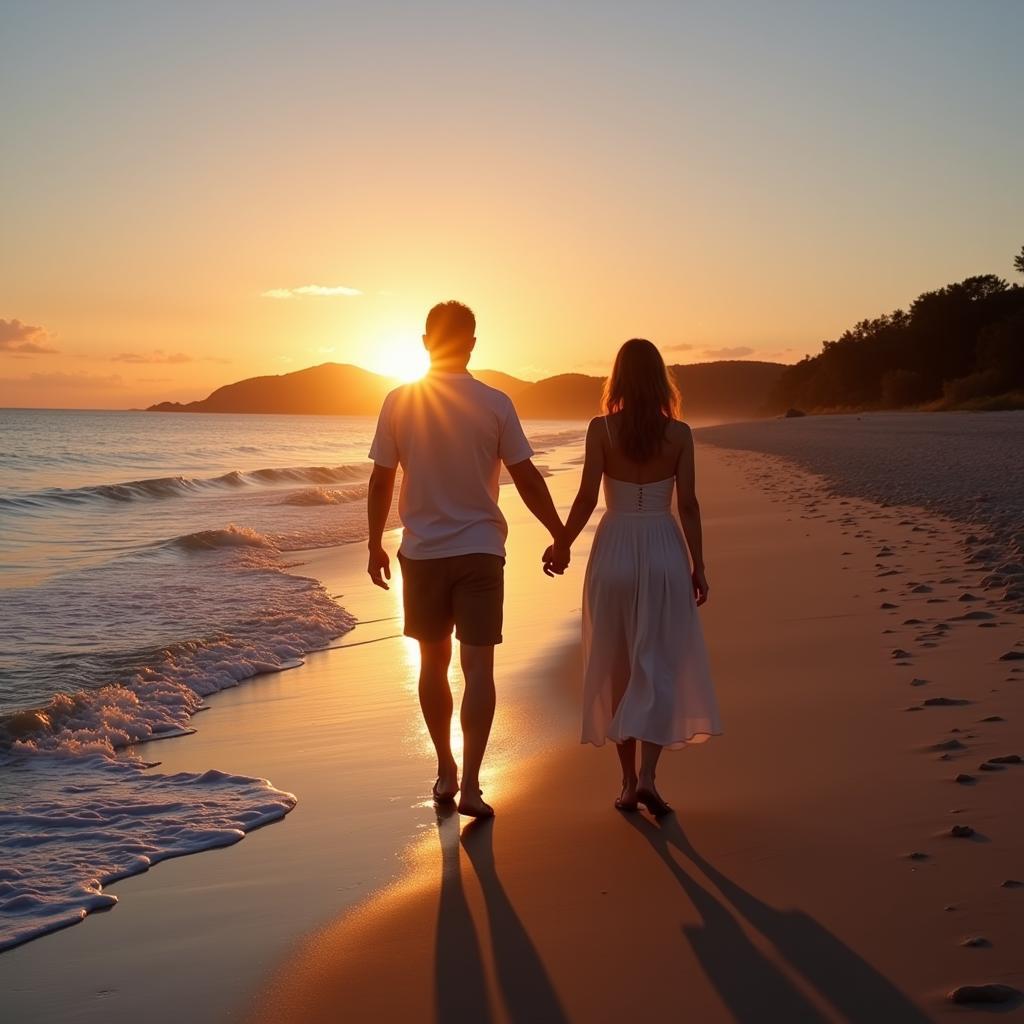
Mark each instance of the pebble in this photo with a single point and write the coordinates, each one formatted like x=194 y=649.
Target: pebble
x=962 y=831
x=964 y=779
x=984 y=994
x=976 y=942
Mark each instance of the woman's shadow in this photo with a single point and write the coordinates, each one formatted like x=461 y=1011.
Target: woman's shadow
x=525 y=989
x=753 y=988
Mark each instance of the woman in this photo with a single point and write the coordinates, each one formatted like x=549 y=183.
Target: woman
x=646 y=676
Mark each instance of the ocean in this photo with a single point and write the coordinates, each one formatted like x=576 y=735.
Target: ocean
x=146 y=562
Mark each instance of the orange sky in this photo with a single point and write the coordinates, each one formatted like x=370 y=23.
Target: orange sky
x=726 y=185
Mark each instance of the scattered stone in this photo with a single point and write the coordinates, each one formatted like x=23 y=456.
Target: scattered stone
x=976 y=942
x=921 y=588
x=947 y=745
x=918 y=682
x=888 y=604
x=898 y=652
x=984 y=994
x=1006 y=759
x=913 y=622
x=945 y=702
x=993 y=718
x=949 y=907
x=1011 y=883
x=971 y=616
x=961 y=831
x=965 y=597
x=987 y=766
x=964 y=779
x=1012 y=656
x=917 y=855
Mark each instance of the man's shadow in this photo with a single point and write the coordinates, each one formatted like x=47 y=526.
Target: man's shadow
x=752 y=987
x=460 y=986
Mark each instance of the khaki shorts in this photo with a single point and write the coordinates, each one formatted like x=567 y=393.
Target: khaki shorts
x=464 y=592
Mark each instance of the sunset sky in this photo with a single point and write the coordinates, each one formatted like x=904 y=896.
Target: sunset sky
x=193 y=193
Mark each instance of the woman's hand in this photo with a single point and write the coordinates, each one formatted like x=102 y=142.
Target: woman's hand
x=700 y=586
x=555 y=559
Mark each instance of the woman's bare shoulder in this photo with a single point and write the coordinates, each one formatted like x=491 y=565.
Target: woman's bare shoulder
x=679 y=431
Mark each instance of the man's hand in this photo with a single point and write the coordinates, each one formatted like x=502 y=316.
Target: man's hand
x=700 y=586
x=555 y=559
x=379 y=567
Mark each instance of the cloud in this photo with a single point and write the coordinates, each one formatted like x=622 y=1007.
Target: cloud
x=159 y=356
x=314 y=290
x=156 y=356
x=23 y=338
x=738 y=352
x=681 y=346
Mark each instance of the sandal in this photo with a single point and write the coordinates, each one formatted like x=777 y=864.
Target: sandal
x=653 y=802
x=443 y=798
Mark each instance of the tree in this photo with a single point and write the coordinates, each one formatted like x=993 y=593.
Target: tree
x=1018 y=261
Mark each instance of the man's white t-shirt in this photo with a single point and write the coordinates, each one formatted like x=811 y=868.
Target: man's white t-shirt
x=450 y=433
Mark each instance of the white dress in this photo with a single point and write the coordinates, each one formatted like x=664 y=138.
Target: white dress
x=646 y=674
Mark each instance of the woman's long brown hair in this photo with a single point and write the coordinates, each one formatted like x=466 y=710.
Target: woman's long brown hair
x=641 y=388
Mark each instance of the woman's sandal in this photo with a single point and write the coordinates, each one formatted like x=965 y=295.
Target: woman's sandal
x=443 y=798
x=625 y=805
x=483 y=811
x=653 y=802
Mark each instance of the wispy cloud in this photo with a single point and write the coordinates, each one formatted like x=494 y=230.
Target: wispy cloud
x=680 y=346
x=24 y=339
x=156 y=356
x=738 y=352
x=312 y=290
x=159 y=356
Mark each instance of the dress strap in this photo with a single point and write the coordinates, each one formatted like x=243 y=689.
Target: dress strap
x=607 y=428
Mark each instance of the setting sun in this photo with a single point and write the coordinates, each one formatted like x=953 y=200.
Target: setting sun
x=400 y=356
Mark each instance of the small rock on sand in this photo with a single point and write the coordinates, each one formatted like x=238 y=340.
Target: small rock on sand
x=898 y=652
x=887 y=604
x=961 y=831
x=1006 y=759
x=987 y=766
x=945 y=702
x=1011 y=883
x=918 y=682
x=1011 y=656
x=984 y=994
x=964 y=779
x=917 y=855
x=976 y=942
x=993 y=718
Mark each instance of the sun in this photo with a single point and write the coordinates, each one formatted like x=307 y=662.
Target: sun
x=401 y=357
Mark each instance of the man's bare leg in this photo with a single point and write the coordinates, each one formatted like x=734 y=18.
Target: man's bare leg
x=436 y=704
x=476 y=716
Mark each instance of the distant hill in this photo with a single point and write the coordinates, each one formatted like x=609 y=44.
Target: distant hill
x=729 y=389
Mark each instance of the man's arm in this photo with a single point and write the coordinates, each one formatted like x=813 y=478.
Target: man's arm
x=533 y=489
x=379 y=495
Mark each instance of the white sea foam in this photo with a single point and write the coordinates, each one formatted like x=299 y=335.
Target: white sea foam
x=91 y=821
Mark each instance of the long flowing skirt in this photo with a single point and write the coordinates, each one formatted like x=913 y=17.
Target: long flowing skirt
x=646 y=674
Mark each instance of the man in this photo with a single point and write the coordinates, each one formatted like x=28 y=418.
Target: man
x=451 y=433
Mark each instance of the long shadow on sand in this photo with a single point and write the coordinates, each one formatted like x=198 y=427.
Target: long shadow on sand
x=461 y=991
x=749 y=984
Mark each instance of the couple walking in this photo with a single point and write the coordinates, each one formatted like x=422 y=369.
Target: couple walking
x=646 y=677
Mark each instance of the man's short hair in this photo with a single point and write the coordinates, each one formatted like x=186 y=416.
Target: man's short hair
x=450 y=321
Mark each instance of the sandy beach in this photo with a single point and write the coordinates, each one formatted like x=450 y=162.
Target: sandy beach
x=809 y=873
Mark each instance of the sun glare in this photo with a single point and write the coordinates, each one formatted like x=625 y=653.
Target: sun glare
x=402 y=358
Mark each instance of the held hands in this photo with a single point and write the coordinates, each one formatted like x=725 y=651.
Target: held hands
x=555 y=559
x=700 y=586
x=379 y=567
